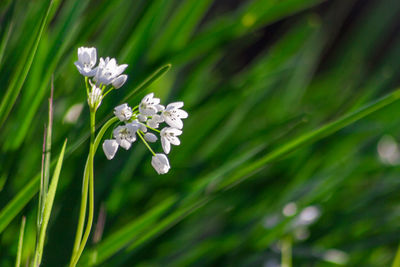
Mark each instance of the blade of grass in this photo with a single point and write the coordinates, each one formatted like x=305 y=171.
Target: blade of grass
x=122 y=237
x=48 y=205
x=180 y=27
x=311 y=137
x=252 y=17
x=5 y=38
x=20 y=74
x=20 y=242
x=66 y=35
x=147 y=27
x=148 y=81
x=396 y=261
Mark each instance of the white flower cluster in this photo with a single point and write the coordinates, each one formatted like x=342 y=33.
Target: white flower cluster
x=108 y=72
x=149 y=114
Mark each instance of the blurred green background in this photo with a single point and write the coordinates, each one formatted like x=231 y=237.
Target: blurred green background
x=253 y=75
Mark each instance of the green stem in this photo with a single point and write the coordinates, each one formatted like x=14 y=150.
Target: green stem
x=87 y=85
x=286 y=251
x=106 y=93
x=20 y=242
x=90 y=183
x=158 y=131
x=78 y=236
x=145 y=142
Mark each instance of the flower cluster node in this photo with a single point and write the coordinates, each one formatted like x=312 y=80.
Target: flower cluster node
x=142 y=119
x=108 y=72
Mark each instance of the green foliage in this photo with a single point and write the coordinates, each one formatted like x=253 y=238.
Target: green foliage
x=288 y=101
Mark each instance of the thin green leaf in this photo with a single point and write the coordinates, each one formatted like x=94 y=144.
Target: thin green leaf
x=20 y=74
x=13 y=207
x=123 y=237
x=20 y=242
x=48 y=205
x=148 y=81
x=311 y=137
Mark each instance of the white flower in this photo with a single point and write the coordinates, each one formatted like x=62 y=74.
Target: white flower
x=155 y=121
x=125 y=135
x=173 y=115
x=123 y=112
x=168 y=137
x=139 y=125
x=94 y=97
x=119 y=81
x=87 y=57
x=160 y=163
x=110 y=147
x=142 y=118
x=150 y=105
x=108 y=70
x=150 y=137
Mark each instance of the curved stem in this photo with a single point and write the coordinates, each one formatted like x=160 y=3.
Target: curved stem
x=77 y=245
x=82 y=214
x=145 y=142
x=91 y=189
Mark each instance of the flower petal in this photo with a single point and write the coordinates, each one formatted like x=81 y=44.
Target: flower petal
x=119 y=81
x=165 y=145
x=150 y=137
x=110 y=147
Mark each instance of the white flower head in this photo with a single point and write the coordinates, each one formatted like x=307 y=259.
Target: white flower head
x=173 y=115
x=125 y=135
x=94 y=98
x=108 y=70
x=123 y=112
x=110 y=147
x=168 y=137
x=160 y=163
x=87 y=57
x=150 y=105
x=119 y=81
x=155 y=121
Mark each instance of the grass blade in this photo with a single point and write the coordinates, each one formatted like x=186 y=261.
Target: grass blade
x=148 y=81
x=13 y=207
x=20 y=74
x=48 y=205
x=308 y=138
x=20 y=242
x=123 y=237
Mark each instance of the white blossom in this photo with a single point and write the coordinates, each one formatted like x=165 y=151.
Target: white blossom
x=123 y=112
x=160 y=163
x=139 y=125
x=168 y=137
x=155 y=121
x=142 y=118
x=110 y=147
x=173 y=115
x=119 y=81
x=149 y=105
x=87 y=57
x=108 y=70
x=150 y=137
x=125 y=135
x=94 y=97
